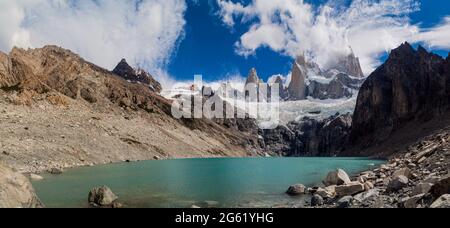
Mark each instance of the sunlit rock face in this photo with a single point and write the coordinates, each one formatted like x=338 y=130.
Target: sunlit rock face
x=297 y=86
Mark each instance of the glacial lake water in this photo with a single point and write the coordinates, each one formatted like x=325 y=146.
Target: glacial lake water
x=222 y=182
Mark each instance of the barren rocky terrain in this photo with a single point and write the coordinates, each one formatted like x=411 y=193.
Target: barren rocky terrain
x=59 y=111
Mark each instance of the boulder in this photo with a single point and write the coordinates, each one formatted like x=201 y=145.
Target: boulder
x=317 y=200
x=297 y=189
x=349 y=189
x=345 y=202
x=16 y=190
x=368 y=186
x=397 y=183
x=411 y=202
x=403 y=172
x=441 y=187
x=442 y=202
x=373 y=193
x=102 y=196
x=35 y=177
x=338 y=177
x=327 y=192
x=422 y=188
x=55 y=171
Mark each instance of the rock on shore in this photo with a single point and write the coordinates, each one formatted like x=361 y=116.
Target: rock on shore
x=16 y=190
x=416 y=178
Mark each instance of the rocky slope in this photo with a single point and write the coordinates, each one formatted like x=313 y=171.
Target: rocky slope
x=16 y=191
x=57 y=110
x=406 y=98
x=417 y=177
x=136 y=75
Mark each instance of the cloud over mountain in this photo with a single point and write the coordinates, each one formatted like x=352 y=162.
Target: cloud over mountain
x=324 y=32
x=102 y=31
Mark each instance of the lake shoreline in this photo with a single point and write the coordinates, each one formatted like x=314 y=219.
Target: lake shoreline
x=247 y=178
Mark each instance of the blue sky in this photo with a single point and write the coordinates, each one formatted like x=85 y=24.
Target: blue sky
x=208 y=49
x=208 y=46
x=175 y=39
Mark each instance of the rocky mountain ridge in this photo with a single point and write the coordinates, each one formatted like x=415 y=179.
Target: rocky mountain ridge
x=59 y=111
x=404 y=99
x=343 y=80
x=136 y=75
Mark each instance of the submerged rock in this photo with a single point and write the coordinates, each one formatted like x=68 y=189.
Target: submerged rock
x=56 y=171
x=297 y=189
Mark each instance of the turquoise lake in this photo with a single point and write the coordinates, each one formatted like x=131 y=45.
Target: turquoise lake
x=222 y=182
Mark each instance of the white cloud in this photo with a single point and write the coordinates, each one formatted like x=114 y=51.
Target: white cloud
x=102 y=31
x=436 y=37
x=324 y=32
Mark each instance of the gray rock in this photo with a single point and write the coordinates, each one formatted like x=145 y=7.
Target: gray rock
x=368 y=195
x=345 y=202
x=16 y=190
x=411 y=202
x=35 y=177
x=368 y=186
x=338 y=177
x=349 y=189
x=317 y=200
x=55 y=171
x=421 y=188
x=442 y=202
x=397 y=183
x=297 y=189
x=442 y=187
x=327 y=192
x=403 y=172
x=102 y=196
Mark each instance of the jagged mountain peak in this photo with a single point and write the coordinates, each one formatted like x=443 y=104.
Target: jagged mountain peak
x=253 y=77
x=348 y=64
x=124 y=70
x=301 y=60
x=409 y=89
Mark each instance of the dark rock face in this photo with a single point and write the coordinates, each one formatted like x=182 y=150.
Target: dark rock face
x=413 y=86
x=128 y=73
x=339 y=87
x=310 y=137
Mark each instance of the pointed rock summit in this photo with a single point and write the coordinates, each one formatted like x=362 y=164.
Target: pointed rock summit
x=297 y=87
x=411 y=86
x=124 y=70
x=282 y=91
x=350 y=65
x=252 y=77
